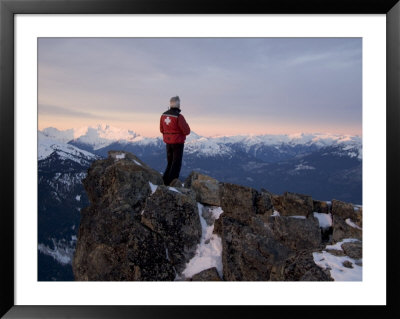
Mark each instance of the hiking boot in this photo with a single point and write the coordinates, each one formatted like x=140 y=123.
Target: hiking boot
x=176 y=183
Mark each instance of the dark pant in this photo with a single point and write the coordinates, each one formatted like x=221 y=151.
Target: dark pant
x=174 y=158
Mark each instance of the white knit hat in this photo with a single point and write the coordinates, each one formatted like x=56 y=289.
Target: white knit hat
x=175 y=102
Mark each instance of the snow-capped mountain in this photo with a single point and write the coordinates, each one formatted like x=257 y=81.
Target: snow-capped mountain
x=257 y=144
x=57 y=143
x=58 y=135
x=61 y=168
x=103 y=136
x=94 y=139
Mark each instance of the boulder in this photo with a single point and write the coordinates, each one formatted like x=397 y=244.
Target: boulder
x=210 y=274
x=320 y=207
x=112 y=244
x=271 y=248
x=293 y=204
x=296 y=233
x=115 y=247
x=342 y=230
x=175 y=217
x=238 y=202
x=263 y=203
x=300 y=267
x=206 y=188
x=358 y=216
x=277 y=202
x=353 y=249
x=121 y=180
x=343 y=210
x=248 y=255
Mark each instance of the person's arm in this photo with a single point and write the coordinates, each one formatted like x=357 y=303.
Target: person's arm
x=183 y=126
x=161 y=125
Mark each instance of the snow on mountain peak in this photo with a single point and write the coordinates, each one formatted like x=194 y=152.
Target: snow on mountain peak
x=47 y=145
x=58 y=135
x=97 y=136
x=220 y=144
x=103 y=135
x=192 y=137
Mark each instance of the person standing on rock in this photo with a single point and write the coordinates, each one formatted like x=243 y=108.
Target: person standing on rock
x=174 y=128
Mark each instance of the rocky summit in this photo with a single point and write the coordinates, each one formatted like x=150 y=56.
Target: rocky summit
x=138 y=229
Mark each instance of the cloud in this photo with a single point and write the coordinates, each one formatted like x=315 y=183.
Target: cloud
x=312 y=80
x=44 y=109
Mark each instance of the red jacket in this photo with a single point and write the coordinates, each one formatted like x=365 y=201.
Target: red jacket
x=174 y=127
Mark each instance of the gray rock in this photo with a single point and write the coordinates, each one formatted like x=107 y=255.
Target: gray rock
x=210 y=274
x=358 y=216
x=342 y=230
x=261 y=249
x=207 y=189
x=300 y=267
x=263 y=203
x=293 y=204
x=296 y=233
x=115 y=247
x=353 y=249
x=247 y=255
x=343 y=210
x=320 y=207
x=112 y=243
x=238 y=202
x=117 y=183
x=175 y=217
x=347 y=264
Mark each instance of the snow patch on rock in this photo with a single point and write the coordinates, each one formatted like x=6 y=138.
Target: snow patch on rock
x=325 y=220
x=334 y=264
x=153 y=187
x=120 y=156
x=351 y=224
x=209 y=251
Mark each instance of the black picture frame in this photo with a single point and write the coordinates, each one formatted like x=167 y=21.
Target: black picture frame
x=8 y=8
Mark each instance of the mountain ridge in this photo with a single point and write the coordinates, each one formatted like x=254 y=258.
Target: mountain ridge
x=303 y=167
x=104 y=135
x=119 y=134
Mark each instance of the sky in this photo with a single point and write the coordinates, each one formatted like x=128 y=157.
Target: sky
x=227 y=86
